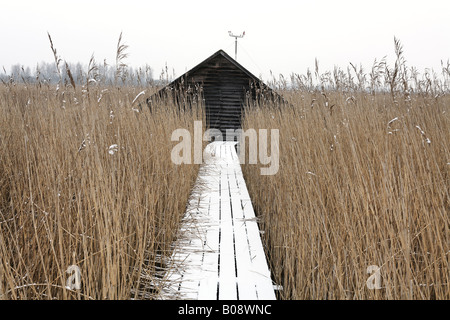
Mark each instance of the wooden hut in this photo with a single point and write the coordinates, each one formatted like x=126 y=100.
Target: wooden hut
x=224 y=86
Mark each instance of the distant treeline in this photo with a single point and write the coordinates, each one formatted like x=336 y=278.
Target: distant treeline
x=49 y=73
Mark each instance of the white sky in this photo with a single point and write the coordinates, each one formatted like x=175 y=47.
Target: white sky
x=281 y=36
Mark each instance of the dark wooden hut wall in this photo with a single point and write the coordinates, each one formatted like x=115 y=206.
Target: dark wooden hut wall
x=225 y=86
x=224 y=91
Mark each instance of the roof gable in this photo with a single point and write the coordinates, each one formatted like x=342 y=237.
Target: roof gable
x=223 y=54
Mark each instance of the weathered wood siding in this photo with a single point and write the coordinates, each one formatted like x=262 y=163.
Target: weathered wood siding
x=224 y=91
x=225 y=86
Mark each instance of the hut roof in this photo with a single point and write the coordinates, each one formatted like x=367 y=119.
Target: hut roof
x=206 y=63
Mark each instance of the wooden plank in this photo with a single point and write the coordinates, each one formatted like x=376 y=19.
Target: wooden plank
x=209 y=281
x=227 y=273
x=261 y=272
x=208 y=285
x=246 y=285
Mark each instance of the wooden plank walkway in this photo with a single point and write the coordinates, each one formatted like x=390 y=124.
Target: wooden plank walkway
x=219 y=254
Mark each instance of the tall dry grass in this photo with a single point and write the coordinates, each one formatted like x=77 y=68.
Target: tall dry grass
x=363 y=181
x=86 y=180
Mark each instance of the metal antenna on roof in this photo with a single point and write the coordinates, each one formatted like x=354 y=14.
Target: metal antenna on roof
x=235 y=43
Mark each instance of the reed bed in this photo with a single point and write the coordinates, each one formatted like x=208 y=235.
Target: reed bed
x=359 y=208
x=86 y=181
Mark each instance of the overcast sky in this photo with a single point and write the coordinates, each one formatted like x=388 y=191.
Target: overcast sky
x=280 y=36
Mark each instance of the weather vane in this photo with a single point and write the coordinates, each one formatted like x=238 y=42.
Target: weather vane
x=235 y=43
